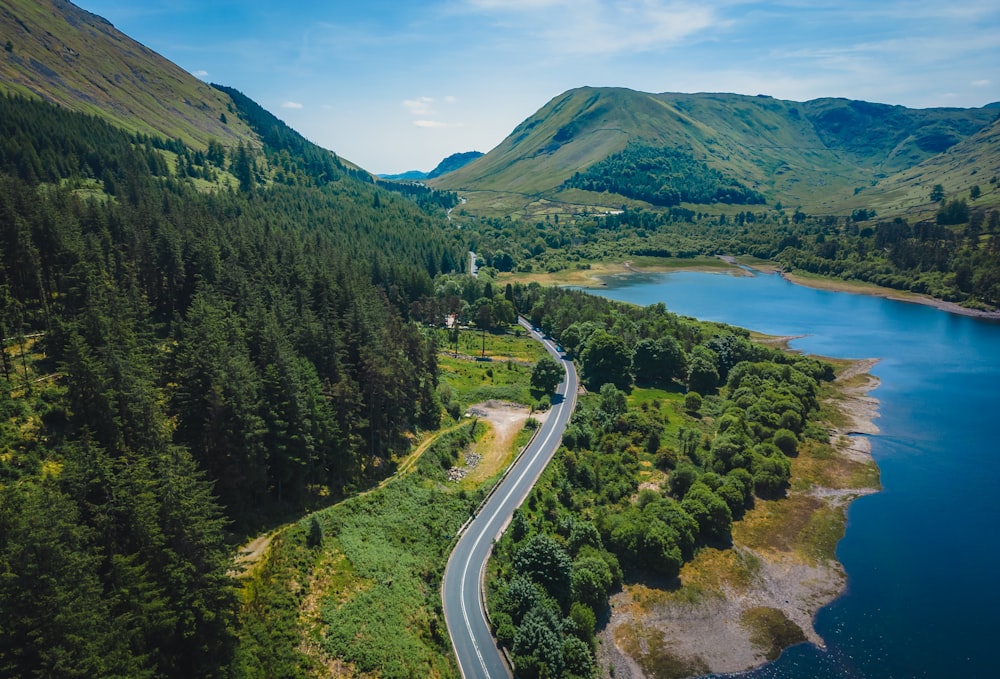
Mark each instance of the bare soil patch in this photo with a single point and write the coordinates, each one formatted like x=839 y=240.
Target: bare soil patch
x=248 y=555
x=495 y=450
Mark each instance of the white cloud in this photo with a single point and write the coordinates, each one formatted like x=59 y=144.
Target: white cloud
x=450 y=99
x=602 y=27
x=292 y=104
x=200 y=74
x=435 y=124
x=421 y=106
x=980 y=83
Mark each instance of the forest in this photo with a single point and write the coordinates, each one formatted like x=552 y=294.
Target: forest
x=662 y=176
x=685 y=425
x=186 y=362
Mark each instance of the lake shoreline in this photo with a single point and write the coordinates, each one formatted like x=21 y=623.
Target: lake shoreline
x=593 y=278
x=837 y=285
x=713 y=631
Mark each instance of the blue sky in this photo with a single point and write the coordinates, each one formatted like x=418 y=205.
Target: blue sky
x=396 y=85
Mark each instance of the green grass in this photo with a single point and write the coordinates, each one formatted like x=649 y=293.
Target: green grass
x=369 y=595
x=397 y=541
x=150 y=95
x=651 y=396
x=679 y=263
x=505 y=377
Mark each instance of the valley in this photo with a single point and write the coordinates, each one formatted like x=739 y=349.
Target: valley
x=254 y=394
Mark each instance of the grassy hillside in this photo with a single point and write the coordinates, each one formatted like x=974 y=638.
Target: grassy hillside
x=58 y=52
x=973 y=162
x=816 y=154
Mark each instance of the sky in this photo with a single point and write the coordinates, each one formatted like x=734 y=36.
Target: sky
x=397 y=85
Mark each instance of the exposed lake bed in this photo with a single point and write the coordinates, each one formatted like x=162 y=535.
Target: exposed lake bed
x=733 y=610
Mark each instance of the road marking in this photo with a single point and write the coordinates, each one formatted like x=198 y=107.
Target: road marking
x=528 y=464
x=482 y=534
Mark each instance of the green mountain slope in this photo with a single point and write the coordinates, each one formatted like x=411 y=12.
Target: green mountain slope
x=58 y=52
x=815 y=154
x=973 y=162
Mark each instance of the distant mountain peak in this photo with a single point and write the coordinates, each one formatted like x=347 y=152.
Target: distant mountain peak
x=449 y=164
x=454 y=162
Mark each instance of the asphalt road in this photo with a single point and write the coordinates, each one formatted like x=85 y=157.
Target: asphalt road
x=475 y=648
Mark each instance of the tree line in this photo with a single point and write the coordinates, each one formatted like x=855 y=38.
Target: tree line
x=954 y=256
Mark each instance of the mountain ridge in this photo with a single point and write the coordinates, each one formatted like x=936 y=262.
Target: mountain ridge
x=453 y=162
x=66 y=55
x=818 y=153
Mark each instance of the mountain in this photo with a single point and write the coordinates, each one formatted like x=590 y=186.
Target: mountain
x=454 y=162
x=408 y=176
x=65 y=55
x=817 y=154
x=974 y=161
x=449 y=164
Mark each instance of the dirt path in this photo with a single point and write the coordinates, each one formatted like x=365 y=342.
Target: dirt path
x=250 y=554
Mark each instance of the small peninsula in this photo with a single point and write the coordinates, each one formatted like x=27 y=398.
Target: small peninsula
x=732 y=610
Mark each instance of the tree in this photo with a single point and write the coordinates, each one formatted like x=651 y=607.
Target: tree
x=937 y=193
x=577 y=658
x=503 y=312
x=591 y=582
x=544 y=561
x=584 y=621
x=954 y=211
x=54 y=620
x=715 y=519
x=658 y=361
x=682 y=479
x=483 y=313
x=613 y=403
x=538 y=644
x=546 y=375
x=787 y=441
x=315 y=537
x=703 y=373
x=242 y=167
x=975 y=192
x=605 y=358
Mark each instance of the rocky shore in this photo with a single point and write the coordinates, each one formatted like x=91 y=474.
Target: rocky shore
x=735 y=609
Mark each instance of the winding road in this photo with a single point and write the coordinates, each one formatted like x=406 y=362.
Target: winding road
x=476 y=650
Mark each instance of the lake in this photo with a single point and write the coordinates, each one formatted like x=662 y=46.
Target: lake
x=922 y=556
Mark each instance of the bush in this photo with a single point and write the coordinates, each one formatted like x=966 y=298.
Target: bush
x=786 y=441
x=692 y=402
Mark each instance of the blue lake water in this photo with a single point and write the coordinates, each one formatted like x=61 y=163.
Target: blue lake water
x=922 y=556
